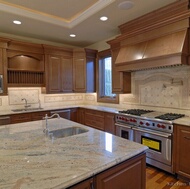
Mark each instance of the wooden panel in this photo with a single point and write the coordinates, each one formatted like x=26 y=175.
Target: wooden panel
x=109 y=123
x=67 y=74
x=39 y=115
x=19 y=118
x=1 y=61
x=79 y=71
x=94 y=119
x=121 y=81
x=54 y=76
x=74 y=114
x=181 y=154
x=127 y=175
x=81 y=115
x=87 y=184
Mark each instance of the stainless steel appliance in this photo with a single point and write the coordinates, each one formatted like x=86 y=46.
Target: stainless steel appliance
x=1 y=83
x=153 y=129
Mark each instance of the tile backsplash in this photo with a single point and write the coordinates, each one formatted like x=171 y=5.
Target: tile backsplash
x=165 y=89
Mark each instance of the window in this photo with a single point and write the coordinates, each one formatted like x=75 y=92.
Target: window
x=105 y=78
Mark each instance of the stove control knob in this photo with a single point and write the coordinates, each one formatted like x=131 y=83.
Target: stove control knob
x=147 y=124
x=163 y=126
x=126 y=119
x=134 y=120
x=158 y=125
x=123 y=118
x=141 y=123
x=131 y=120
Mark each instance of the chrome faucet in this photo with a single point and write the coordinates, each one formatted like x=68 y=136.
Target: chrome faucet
x=26 y=103
x=46 y=130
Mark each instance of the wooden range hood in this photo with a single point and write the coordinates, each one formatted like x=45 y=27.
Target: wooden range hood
x=157 y=39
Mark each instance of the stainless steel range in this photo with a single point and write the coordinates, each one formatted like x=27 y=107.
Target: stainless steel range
x=153 y=129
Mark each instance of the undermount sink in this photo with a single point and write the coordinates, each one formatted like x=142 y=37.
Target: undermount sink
x=26 y=109
x=61 y=133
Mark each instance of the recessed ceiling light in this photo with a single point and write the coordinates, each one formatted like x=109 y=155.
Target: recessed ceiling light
x=72 y=35
x=125 y=5
x=103 y=18
x=17 y=22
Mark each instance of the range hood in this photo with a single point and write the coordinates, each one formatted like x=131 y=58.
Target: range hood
x=163 y=51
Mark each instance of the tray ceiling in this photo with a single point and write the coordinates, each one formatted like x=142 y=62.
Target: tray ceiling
x=54 y=20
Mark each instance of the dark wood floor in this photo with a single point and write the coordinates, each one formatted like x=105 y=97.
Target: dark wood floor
x=157 y=179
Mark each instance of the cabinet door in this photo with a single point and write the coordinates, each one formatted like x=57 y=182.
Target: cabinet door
x=73 y=114
x=109 y=123
x=87 y=184
x=81 y=115
x=127 y=175
x=39 y=115
x=67 y=74
x=54 y=76
x=121 y=82
x=94 y=119
x=79 y=73
x=181 y=150
x=19 y=118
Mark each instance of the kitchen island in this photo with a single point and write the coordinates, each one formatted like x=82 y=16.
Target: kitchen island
x=30 y=159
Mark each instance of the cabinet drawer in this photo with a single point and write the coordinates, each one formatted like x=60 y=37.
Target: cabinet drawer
x=94 y=121
x=19 y=118
x=38 y=115
x=94 y=112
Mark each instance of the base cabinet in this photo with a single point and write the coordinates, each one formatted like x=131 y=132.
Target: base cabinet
x=181 y=151
x=95 y=119
x=109 y=123
x=131 y=174
x=25 y=117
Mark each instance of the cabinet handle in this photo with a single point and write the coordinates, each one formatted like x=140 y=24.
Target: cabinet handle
x=188 y=138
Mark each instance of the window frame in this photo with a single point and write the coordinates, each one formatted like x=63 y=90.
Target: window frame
x=105 y=99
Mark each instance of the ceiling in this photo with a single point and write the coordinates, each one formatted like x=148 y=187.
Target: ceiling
x=55 y=20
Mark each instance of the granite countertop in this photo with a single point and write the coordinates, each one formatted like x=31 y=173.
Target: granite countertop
x=29 y=159
x=100 y=108
x=181 y=121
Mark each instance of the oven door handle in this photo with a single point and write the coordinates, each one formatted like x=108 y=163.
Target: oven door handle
x=121 y=125
x=165 y=135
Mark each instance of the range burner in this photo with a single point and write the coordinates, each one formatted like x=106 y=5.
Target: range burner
x=135 y=111
x=170 y=116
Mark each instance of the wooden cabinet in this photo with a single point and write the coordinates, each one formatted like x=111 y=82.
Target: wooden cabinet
x=81 y=115
x=74 y=112
x=59 y=69
x=94 y=118
x=109 y=123
x=20 y=118
x=121 y=81
x=84 y=66
x=181 y=150
x=25 y=64
x=3 y=63
x=122 y=175
x=35 y=116
x=119 y=177
x=87 y=184
x=25 y=117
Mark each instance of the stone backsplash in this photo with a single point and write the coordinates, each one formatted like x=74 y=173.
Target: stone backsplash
x=165 y=89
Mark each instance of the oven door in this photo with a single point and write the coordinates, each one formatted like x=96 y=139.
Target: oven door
x=159 y=144
x=124 y=131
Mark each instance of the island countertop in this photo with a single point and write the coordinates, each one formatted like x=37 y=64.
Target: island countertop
x=29 y=159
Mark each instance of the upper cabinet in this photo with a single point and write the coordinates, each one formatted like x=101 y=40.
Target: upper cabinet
x=3 y=63
x=25 y=64
x=59 y=69
x=121 y=81
x=84 y=70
